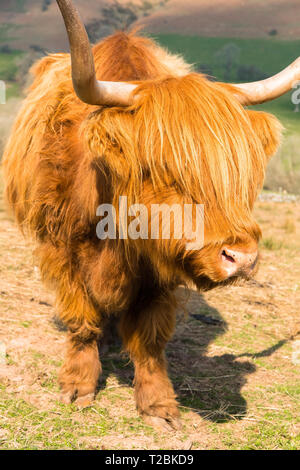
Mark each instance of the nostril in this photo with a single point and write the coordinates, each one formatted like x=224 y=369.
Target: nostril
x=227 y=257
x=237 y=262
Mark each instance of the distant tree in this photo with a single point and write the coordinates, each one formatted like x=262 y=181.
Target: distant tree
x=273 y=32
x=114 y=17
x=5 y=49
x=205 y=68
x=37 y=48
x=46 y=4
x=228 y=57
x=249 y=73
x=120 y=16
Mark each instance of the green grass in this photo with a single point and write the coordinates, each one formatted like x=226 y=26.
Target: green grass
x=264 y=434
x=9 y=65
x=9 y=61
x=271 y=244
x=270 y=55
x=275 y=428
x=56 y=429
x=13 y=90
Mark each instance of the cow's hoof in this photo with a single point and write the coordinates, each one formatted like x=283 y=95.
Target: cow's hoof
x=163 y=424
x=162 y=417
x=67 y=397
x=73 y=395
x=85 y=401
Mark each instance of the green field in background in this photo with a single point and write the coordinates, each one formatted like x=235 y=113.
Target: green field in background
x=270 y=54
x=9 y=65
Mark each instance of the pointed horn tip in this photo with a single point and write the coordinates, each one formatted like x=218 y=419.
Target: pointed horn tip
x=270 y=88
x=86 y=86
x=296 y=66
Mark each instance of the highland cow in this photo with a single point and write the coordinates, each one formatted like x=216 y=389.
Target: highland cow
x=127 y=118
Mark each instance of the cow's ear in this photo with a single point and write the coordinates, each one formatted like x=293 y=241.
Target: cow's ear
x=268 y=129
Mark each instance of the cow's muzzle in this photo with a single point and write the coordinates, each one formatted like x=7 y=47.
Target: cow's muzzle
x=234 y=262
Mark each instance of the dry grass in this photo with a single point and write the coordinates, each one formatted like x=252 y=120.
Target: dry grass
x=284 y=169
x=289 y=226
x=237 y=378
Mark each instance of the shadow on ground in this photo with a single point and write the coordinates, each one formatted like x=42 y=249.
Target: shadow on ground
x=205 y=382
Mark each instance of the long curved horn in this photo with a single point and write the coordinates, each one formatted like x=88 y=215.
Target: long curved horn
x=271 y=88
x=87 y=87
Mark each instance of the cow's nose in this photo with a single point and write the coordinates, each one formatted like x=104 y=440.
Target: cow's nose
x=237 y=261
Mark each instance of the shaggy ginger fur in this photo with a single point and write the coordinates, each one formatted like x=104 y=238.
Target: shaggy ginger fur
x=185 y=140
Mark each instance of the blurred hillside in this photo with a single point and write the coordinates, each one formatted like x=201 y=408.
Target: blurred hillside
x=26 y=23
x=228 y=18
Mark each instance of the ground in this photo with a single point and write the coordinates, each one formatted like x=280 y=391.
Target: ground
x=234 y=359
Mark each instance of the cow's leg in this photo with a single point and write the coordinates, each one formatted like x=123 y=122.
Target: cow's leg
x=80 y=372
x=145 y=333
x=109 y=288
